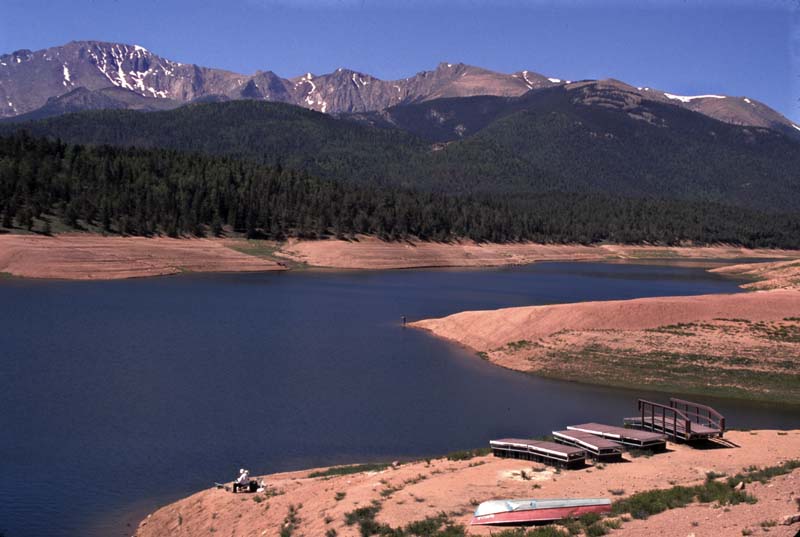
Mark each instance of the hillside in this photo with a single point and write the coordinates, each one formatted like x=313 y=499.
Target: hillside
x=582 y=138
x=45 y=183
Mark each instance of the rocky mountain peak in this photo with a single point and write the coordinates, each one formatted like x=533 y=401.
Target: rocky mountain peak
x=28 y=79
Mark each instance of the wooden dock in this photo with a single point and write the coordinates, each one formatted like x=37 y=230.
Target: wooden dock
x=680 y=420
x=539 y=450
x=623 y=435
x=597 y=447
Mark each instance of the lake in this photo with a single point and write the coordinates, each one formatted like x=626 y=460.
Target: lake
x=117 y=397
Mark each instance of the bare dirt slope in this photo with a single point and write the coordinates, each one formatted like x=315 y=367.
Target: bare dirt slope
x=93 y=257
x=85 y=256
x=372 y=253
x=417 y=490
x=774 y=275
x=486 y=330
x=742 y=345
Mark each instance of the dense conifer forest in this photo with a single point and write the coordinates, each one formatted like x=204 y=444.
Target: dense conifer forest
x=136 y=191
x=546 y=143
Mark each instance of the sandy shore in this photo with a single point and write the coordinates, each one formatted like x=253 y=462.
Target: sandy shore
x=371 y=253
x=80 y=256
x=742 y=345
x=93 y=257
x=416 y=490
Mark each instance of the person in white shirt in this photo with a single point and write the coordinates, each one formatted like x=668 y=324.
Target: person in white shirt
x=243 y=481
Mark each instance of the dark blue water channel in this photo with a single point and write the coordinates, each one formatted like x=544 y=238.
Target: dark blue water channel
x=116 y=397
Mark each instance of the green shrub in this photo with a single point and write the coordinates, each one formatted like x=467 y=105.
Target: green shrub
x=467 y=454
x=351 y=469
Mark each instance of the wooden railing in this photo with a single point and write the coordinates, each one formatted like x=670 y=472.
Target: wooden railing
x=702 y=414
x=669 y=415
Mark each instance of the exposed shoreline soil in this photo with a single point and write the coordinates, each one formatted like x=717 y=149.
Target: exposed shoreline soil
x=83 y=256
x=371 y=253
x=744 y=345
x=412 y=491
x=94 y=257
x=702 y=330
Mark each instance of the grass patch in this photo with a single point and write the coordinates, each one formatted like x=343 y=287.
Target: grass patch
x=351 y=469
x=467 y=454
x=762 y=475
x=645 y=504
x=415 y=480
x=291 y=521
x=542 y=531
x=435 y=526
x=679 y=372
x=265 y=250
x=522 y=344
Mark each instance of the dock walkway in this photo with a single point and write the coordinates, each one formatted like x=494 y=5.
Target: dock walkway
x=539 y=450
x=628 y=437
x=599 y=448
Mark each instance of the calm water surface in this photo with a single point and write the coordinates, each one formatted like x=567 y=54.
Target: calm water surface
x=116 y=397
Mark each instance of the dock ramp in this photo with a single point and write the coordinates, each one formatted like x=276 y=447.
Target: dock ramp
x=680 y=420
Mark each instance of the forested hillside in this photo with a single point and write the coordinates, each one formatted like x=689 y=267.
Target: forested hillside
x=146 y=191
x=551 y=140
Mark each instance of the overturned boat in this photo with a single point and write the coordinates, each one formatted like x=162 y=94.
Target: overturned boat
x=510 y=512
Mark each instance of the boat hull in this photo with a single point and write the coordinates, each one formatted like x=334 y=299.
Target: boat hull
x=530 y=516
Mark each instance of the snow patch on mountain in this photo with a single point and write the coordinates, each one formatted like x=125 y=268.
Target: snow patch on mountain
x=67 y=80
x=793 y=125
x=555 y=80
x=527 y=82
x=689 y=98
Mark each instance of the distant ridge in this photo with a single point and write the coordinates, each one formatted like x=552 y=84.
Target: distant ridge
x=31 y=80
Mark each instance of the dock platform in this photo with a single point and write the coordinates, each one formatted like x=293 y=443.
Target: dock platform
x=597 y=447
x=539 y=450
x=628 y=437
x=680 y=420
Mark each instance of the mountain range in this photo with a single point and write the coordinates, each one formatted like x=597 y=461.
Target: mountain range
x=87 y=75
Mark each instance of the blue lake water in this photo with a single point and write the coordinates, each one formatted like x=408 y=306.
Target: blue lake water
x=116 y=397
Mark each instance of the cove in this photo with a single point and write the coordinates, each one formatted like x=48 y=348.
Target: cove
x=120 y=396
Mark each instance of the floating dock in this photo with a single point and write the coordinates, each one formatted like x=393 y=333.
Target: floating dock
x=680 y=420
x=539 y=450
x=597 y=447
x=625 y=436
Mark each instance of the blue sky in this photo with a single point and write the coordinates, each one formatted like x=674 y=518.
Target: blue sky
x=736 y=47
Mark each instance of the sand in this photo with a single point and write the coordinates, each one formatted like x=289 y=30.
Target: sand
x=371 y=253
x=427 y=488
x=93 y=257
x=86 y=256
x=774 y=275
x=743 y=345
x=486 y=330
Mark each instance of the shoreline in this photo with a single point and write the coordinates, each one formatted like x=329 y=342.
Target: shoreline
x=742 y=345
x=415 y=490
x=81 y=256
x=507 y=341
